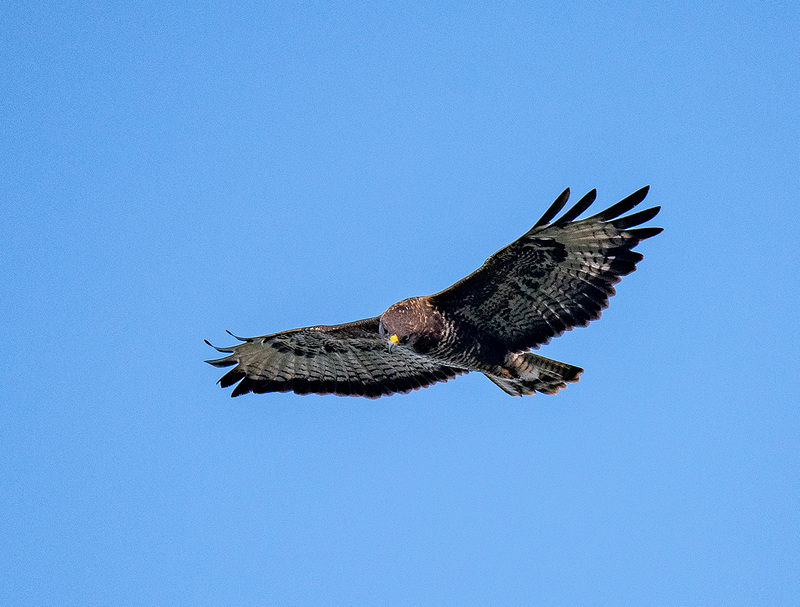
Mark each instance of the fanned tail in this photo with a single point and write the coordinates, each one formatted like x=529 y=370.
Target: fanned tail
x=533 y=373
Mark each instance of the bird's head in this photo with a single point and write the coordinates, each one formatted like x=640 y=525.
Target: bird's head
x=398 y=325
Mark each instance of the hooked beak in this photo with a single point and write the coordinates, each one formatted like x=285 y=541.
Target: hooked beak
x=392 y=341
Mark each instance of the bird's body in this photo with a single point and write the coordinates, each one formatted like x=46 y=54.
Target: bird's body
x=454 y=342
x=555 y=277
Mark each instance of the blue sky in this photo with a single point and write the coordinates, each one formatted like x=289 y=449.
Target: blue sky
x=172 y=170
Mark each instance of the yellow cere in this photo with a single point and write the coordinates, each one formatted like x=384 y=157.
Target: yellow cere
x=394 y=339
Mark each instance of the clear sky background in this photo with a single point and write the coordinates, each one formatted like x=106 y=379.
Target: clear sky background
x=171 y=170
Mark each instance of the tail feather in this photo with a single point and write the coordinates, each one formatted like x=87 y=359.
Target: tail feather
x=531 y=373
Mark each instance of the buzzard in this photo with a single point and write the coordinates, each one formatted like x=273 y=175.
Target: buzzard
x=557 y=276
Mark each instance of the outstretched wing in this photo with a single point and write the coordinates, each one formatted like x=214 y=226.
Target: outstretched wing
x=348 y=360
x=557 y=276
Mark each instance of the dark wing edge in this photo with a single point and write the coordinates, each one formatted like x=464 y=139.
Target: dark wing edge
x=612 y=217
x=346 y=360
x=557 y=276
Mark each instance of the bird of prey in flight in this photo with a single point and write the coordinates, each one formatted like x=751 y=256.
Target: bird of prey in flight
x=556 y=276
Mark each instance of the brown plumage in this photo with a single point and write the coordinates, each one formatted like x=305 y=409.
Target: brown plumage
x=555 y=277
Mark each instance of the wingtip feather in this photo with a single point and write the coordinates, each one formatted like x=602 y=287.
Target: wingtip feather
x=635 y=219
x=578 y=208
x=554 y=209
x=644 y=233
x=623 y=206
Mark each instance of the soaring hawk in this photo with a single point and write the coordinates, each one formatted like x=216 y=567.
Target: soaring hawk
x=557 y=276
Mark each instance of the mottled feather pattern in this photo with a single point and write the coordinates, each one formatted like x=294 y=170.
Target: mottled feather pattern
x=342 y=359
x=555 y=277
